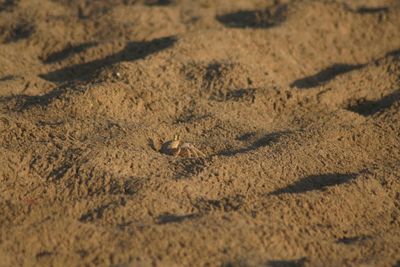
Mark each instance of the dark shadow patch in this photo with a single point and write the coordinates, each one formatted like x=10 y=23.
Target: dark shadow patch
x=7 y=78
x=158 y=2
x=226 y=204
x=23 y=102
x=353 y=240
x=8 y=5
x=51 y=123
x=132 y=51
x=59 y=172
x=132 y=186
x=173 y=218
x=17 y=32
x=188 y=167
x=82 y=253
x=370 y=107
x=98 y=212
x=236 y=263
x=43 y=254
x=213 y=80
x=27 y=101
x=246 y=136
x=395 y=53
x=66 y=167
x=125 y=224
x=372 y=10
x=331 y=72
x=325 y=75
x=190 y=117
x=287 y=263
x=316 y=183
x=117 y=185
x=98 y=183
x=266 y=18
x=68 y=51
x=128 y=186
x=261 y=142
x=212 y=76
x=397 y=264
x=236 y=95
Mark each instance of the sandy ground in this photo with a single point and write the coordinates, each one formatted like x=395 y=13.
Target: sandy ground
x=296 y=105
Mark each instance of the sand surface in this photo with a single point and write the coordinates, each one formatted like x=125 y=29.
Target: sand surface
x=296 y=105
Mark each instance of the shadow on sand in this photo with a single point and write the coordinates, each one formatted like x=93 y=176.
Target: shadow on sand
x=316 y=183
x=264 y=18
x=132 y=51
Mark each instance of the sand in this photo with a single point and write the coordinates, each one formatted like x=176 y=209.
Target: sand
x=296 y=105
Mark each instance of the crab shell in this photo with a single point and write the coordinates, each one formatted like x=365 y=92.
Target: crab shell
x=170 y=147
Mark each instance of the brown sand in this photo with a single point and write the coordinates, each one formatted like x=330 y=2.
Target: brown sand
x=296 y=104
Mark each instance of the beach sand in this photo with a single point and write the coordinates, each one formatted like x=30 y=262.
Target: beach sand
x=296 y=105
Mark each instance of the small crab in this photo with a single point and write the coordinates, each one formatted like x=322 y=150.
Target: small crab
x=176 y=147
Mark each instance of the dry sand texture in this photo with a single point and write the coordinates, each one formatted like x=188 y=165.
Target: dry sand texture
x=295 y=103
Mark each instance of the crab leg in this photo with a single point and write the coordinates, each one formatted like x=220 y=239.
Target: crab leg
x=177 y=152
x=198 y=152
